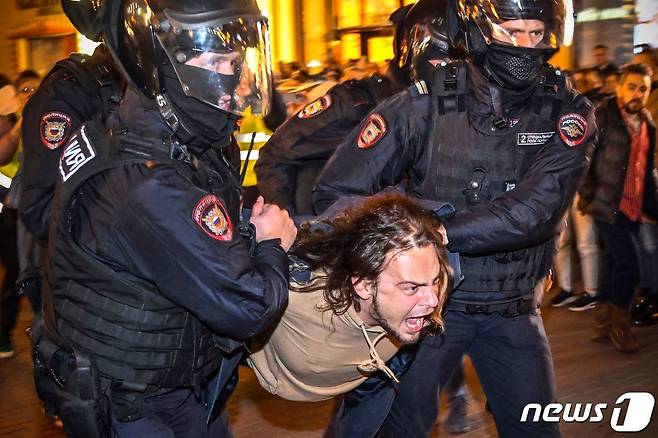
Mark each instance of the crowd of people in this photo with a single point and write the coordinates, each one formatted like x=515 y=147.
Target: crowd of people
x=409 y=215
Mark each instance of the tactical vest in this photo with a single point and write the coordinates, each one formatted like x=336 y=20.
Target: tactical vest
x=135 y=336
x=465 y=164
x=95 y=79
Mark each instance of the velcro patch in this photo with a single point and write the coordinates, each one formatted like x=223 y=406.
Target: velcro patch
x=373 y=130
x=77 y=153
x=54 y=129
x=211 y=216
x=533 y=138
x=316 y=107
x=572 y=128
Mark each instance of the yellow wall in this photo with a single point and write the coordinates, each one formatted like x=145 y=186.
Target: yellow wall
x=284 y=31
x=315 y=29
x=14 y=56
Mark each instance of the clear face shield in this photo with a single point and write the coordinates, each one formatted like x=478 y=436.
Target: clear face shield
x=224 y=62
x=537 y=24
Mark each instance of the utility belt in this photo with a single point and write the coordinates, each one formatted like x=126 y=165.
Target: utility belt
x=507 y=308
x=69 y=385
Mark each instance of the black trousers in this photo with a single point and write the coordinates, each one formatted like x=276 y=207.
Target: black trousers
x=9 y=259
x=173 y=414
x=621 y=268
x=511 y=357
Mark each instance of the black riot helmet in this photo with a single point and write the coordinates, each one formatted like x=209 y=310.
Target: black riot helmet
x=422 y=32
x=86 y=16
x=513 y=39
x=218 y=49
x=432 y=33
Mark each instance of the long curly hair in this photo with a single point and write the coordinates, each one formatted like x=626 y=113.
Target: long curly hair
x=360 y=244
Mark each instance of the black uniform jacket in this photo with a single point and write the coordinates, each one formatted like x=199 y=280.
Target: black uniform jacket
x=388 y=147
x=56 y=110
x=162 y=224
x=291 y=160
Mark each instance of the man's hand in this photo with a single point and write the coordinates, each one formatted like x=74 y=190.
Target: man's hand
x=271 y=222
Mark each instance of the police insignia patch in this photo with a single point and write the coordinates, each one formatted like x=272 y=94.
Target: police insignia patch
x=54 y=129
x=211 y=216
x=572 y=128
x=373 y=131
x=316 y=107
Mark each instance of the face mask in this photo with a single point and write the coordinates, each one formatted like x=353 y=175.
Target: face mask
x=203 y=120
x=514 y=67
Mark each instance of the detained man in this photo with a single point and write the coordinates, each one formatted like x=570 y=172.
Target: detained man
x=375 y=281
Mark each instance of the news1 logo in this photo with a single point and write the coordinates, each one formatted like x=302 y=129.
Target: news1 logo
x=631 y=412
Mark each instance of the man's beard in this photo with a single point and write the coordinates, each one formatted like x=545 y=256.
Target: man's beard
x=376 y=315
x=634 y=106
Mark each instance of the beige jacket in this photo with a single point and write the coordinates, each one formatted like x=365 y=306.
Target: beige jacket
x=313 y=355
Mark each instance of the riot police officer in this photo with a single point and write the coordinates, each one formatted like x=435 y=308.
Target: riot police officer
x=289 y=163
x=154 y=282
x=505 y=140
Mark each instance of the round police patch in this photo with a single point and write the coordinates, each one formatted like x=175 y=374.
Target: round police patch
x=373 y=130
x=572 y=128
x=54 y=129
x=316 y=107
x=211 y=216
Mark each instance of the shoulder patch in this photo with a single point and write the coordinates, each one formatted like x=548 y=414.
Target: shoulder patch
x=77 y=153
x=55 y=128
x=373 y=130
x=316 y=107
x=210 y=215
x=572 y=128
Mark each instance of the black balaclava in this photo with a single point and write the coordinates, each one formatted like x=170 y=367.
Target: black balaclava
x=515 y=68
x=210 y=125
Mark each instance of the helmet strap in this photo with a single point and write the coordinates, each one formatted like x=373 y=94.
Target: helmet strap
x=180 y=131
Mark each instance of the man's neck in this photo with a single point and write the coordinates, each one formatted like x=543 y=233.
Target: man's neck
x=633 y=120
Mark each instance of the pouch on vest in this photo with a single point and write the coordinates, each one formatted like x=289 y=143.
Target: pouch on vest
x=29 y=284
x=69 y=384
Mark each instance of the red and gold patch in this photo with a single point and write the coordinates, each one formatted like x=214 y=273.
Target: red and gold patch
x=316 y=107
x=373 y=130
x=55 y=129
x=211 y=216
x=572 y=128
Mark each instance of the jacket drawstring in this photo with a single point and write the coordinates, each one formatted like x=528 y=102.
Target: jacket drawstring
x=375 y=359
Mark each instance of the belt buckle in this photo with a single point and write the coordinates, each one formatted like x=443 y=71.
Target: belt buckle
x=525 y=306
x=476 y=308
x=512 y=310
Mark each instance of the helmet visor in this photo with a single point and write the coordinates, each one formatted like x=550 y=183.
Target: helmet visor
x=540 y=24
x=224 y=62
